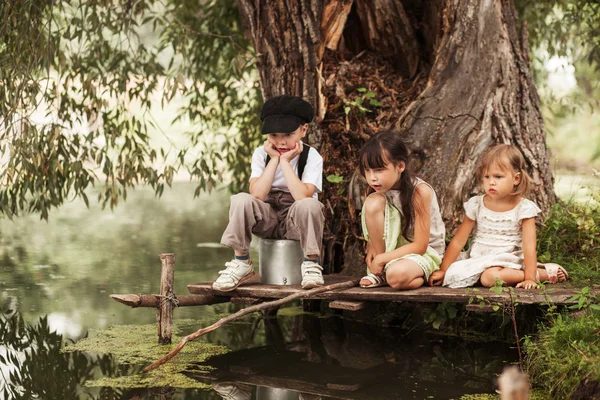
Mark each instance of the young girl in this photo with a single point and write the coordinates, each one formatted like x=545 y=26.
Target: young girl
x=504 y=244
x=401 y=220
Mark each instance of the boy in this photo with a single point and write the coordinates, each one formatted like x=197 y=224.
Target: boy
x=286 y=177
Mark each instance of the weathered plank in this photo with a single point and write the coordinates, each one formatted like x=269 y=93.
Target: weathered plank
x=347 y=305
x=153 y=300
x=555 y=294
x=246 y=300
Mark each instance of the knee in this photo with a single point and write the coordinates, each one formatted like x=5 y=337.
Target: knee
x=488 y=278
x=241 y=198
x=309 y=206
x=398 y=280
x=375 y=204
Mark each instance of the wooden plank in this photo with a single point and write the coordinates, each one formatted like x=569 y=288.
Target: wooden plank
x=480 y=308
x=555 y=294
x=153 y=300
x=347 y=305
x=246 y=300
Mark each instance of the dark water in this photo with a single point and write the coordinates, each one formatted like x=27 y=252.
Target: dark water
x=56 y=276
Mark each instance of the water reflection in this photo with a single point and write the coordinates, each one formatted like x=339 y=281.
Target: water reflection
x=337 y=358
x=33 y=366
x=73 y=262
x=58 y=275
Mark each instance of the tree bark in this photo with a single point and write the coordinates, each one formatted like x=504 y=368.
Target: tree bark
x=480 y=92
x=451 y=76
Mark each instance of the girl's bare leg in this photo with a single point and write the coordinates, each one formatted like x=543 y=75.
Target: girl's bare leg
x=508 y=276
x=511 y=276
x=375 y=219
x=405 y=274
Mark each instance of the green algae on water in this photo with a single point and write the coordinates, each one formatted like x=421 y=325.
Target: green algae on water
x=137 y=345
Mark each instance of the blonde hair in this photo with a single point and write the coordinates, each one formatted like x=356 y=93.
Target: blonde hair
x=506 y=157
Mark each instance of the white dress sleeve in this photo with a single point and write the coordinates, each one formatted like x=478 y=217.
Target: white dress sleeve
x=472 y=207
x=527 y=209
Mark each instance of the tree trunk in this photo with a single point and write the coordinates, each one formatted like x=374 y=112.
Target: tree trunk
x=451 y=76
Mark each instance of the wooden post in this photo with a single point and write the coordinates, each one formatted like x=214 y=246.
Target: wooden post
x=165 y=308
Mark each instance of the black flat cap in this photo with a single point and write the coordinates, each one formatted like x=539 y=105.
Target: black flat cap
x=284 y=114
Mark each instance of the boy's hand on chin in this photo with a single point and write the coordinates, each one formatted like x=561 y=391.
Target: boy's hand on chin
x=271 y=150
x=289 y=155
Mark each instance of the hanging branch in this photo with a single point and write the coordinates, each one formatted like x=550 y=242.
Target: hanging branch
x=248 y=310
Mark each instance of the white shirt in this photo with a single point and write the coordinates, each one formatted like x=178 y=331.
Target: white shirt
x=313 y=171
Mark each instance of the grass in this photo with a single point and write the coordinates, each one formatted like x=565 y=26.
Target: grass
x=565 y=353
x=563 y=358
x=570 y=236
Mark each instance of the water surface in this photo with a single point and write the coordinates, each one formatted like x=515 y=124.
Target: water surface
x=61 y=272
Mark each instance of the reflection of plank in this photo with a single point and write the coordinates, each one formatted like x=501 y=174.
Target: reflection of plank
x=287 y=370
x=347 y=305
x=480 y=308
x=557 y=294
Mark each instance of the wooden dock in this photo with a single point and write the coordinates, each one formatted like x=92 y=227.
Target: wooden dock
x=346 y=296
x=252 y=289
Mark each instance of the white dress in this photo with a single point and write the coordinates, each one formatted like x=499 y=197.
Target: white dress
x=497 y=241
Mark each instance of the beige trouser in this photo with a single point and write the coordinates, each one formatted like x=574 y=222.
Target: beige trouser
x=277 y=217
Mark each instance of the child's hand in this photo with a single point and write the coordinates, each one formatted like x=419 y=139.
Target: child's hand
x=528 y=284
x=377 y=265
x=289 y=155
x=437 y=278
x=271 y=150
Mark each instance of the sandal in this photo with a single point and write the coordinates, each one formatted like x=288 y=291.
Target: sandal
x=376 y=281
x=552 y=270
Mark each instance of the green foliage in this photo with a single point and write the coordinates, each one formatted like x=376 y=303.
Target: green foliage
x=563 y=27
x=569 y=30
x=363 y=103
x=443 y=313
x=566 y=349
x=584 y=300
x=570 y=236
x=80 y=82
x=335 y=179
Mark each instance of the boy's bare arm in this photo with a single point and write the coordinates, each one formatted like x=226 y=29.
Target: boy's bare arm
x=261 y=186
x=298 y=189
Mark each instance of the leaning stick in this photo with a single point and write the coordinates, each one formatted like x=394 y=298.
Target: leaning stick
x=241 y=313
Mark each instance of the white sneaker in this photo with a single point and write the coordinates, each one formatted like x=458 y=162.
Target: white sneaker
x=235 y=273
x=311 y=275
